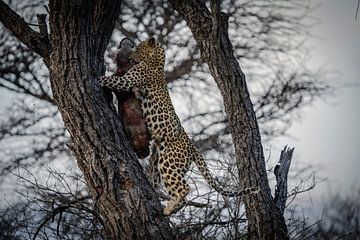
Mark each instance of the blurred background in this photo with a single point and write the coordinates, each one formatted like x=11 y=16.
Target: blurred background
x=301 y=60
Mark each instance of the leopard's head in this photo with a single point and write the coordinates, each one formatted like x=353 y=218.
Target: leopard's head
x=150 y=52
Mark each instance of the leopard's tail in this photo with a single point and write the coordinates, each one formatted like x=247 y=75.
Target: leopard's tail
x=201 y=164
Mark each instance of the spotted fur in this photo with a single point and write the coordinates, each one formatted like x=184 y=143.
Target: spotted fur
x=176 y=151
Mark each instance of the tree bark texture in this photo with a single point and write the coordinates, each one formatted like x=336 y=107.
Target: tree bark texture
x=210 y=31
x=281 y=175
x=34 y=40
x=79 y=32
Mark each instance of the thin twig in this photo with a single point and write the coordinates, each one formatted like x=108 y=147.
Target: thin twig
x=189 y=203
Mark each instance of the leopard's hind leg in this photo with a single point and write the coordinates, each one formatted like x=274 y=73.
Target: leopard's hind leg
x=173 y=166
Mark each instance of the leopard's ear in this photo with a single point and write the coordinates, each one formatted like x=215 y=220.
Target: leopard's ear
x=152 y=42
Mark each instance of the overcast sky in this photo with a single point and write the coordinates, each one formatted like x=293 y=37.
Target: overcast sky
x=328 y=136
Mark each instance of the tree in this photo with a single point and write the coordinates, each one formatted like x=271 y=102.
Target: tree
x=287 y=94
x=265 y=220
x=74 y=56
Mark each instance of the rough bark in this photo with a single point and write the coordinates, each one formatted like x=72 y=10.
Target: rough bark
x=34 y=40
x=79 y=34
x=210 y=31
x=281 y=174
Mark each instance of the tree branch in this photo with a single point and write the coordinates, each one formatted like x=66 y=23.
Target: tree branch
x=210 y=31
x=184 y=68
x=195 y=14
x=42 y=24
x=281 y=171
x=16 y=24
x=189 y=203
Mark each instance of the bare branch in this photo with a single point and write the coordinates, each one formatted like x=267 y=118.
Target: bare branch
x=281 y=171
x=182 y=69
x=34 y=40
x=42 y=24
x=189 y=203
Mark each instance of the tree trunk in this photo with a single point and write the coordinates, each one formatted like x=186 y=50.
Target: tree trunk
x=210 y=31
x=80 y=31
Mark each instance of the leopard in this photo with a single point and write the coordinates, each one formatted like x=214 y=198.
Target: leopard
x=175 y=149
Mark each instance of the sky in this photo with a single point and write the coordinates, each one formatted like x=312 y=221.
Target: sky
x=328 y=134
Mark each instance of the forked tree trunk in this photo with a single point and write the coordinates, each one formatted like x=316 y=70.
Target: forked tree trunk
x=210 y=30
x=130 y=209
x=79 y=33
